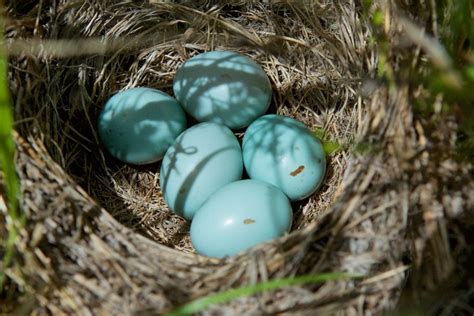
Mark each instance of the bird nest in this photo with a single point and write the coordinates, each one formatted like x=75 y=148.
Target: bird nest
x=98 y=236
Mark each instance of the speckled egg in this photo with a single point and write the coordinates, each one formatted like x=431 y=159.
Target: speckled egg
x=204 y=158
x=284 y=152
x=223 y=87
x=238 y=216
x=138 y=125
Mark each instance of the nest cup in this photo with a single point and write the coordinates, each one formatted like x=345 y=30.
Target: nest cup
x=100 y=237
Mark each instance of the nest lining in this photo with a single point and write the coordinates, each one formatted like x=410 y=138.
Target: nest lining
x=307 y=86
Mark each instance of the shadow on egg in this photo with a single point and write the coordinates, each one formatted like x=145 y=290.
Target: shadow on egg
x=138 y=130
x=274 y=141
x=230 y=89
x=189 y=183
x=203 y=159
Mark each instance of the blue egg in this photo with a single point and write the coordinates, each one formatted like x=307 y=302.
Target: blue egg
x=238 y=216
x=204 y=158
x=138 y=125
x=284 y=152
x=223 y=87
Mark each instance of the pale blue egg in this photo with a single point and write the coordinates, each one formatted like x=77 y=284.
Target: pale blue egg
x=239 y=216
x=284 y=152
x=204 y=158
x=138 y=125
x=223 y=87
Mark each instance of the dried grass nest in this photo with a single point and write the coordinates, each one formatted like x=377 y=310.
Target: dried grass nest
x=99 y=238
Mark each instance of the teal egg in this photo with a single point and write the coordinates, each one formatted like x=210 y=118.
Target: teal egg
x=138 y=125
x=238 y=216
x=284 y=152
x=223 y=87
x=203 y=158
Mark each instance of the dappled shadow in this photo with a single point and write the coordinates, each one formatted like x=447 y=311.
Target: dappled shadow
x=191 y=173
x=283 y=152
x=223 y=87
x=138 y=125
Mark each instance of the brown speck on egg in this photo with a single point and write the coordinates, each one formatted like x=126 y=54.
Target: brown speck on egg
x=297 y=171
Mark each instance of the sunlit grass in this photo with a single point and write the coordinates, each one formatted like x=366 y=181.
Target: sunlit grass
x=203 y=303
x=7 y=164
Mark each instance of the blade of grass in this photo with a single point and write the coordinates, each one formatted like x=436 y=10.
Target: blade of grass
x=201 y=304
x=7 y=163
x=329 y=146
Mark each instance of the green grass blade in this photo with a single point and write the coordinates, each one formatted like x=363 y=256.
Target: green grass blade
x=329 y=147
x=201 y=304
x=7 y=162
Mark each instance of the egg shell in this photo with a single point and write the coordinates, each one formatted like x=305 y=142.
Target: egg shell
x=223 y=87
x=284 y=152
x=204 y=158
x=139 y=124
x=239 y=216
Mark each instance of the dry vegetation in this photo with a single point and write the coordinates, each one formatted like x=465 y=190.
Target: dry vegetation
x=99 y=237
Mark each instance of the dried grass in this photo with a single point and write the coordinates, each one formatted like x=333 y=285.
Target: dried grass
x=100 y=239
